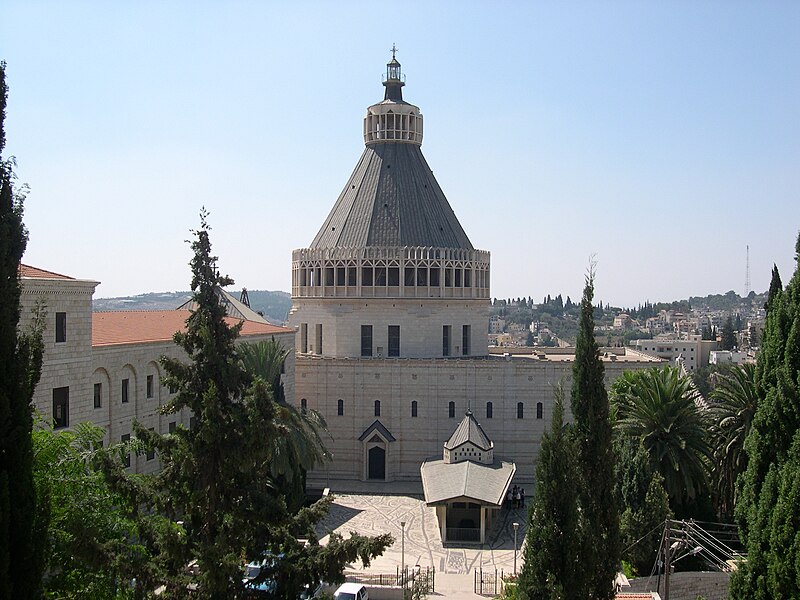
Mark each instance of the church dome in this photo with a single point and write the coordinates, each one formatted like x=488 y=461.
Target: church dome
x=392 y=198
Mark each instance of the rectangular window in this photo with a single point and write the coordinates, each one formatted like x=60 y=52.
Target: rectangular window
x=318 y=343
x=394 y=340
x=409 y=277
x=303 y=337
x=60 y=407
x=151 y=452
x=173 y=425
x=434 y=276
x=467 y=278
x=98 y=395
x=126 y=462
x=61 y=327
x=192 y=423
x=466 y=334
x=351 y=276
x=125 y=390
x=422 y=276
x=446 y=329
x=340 y=273
x=380 y=276
x=149 y=386
x=329 y=276
x=394 y=276
x=458 y=278
x=366 y=340
x=366 y=275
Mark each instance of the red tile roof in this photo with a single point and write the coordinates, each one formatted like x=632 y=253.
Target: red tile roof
x=134 y=327
x=36 y=273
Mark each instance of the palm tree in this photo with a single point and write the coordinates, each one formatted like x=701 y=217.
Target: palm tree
x=734 y=403
x=660 y=407
x=300 y=446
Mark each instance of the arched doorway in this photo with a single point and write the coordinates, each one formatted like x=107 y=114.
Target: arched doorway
x=377 y=463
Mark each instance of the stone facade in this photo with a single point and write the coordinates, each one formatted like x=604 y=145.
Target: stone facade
x=110 y=383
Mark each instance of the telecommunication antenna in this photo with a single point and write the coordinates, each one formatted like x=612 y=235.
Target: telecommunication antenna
x=747 y=285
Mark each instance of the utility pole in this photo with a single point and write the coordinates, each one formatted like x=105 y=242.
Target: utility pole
x=667 y=552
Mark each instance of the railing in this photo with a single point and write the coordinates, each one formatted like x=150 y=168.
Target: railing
x=487 y=583
x=463 y=534
x=415 y=578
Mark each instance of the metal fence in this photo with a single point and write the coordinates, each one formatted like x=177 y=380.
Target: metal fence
x=412 y=578
x=488 y=583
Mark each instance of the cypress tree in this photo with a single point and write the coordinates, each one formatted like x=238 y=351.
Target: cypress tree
x=600 y=536
x=21 y=556
x=551 y=559
x=728 y=340
x=768 y=512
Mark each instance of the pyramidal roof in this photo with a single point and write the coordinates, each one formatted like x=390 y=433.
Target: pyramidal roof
x=469 y=430
x=392 y=197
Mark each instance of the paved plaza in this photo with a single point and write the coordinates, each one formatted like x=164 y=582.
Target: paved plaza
x=374 y=515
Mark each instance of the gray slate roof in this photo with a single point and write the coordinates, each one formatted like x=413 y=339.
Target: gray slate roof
x=233 y=307
x=392 y=199
x=485 y=484
x=469 y=430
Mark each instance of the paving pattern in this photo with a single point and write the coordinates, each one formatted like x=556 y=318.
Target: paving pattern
x=374 y=515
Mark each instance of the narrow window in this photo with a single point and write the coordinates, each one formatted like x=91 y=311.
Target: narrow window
x=340 y=407
x=351 y=276
x=366 y=340
x=303 y=337
x=303 y=405
x=520 y=410
x=539 y=410
x=377 y=408
x=329 y=276
x=126 y=462
x=394 y=276
x=434 y=278
x=394 y=340
x=446 y=329
x=173 y=425
x=318 y=345
x=380 y=276
x=340 y=273
x=192 y=423
x=451 y=410
x=151 y=452
x=366 y=275
x=422 y=276
x=409 y=279
x=467 y=278
x=489 y=409
x=98 y=395
x=173 y=389
x=61 y=327
x=458 y=278
x=149 y=386
x=60 y=407
x=125 y=390
x=413 y=408
x=466 y=332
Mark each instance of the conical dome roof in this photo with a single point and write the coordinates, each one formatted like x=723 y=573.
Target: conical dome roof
x=392 y=198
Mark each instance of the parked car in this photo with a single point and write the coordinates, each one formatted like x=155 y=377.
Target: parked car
x=252 y=570
x=351 y=591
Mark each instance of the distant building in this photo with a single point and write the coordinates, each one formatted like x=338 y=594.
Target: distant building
x=695 y=351
x=622 y=321
x=736 y=357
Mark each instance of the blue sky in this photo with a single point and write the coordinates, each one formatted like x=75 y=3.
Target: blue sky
x=661 y=136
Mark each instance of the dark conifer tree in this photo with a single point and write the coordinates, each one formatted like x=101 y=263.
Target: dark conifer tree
x=215 y=475
x=552 y=544
x=600 y=536
x=769 y=503
x=21 y=549
x=728 y=341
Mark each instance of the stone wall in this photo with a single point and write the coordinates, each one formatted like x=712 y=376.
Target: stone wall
x=688 y=585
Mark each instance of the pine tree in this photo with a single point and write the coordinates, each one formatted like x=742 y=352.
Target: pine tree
x=768 y=508
x=215 y=475
x=21 y=552
x=600 y=540
x=551 y=558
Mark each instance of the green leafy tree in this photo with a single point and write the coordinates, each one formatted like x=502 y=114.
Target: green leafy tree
x=734 y=403
x=600 y=541
x=728 y=338
x=216 y=475
x=95 y=544
x=767 y=510
x=21 y=515
x=552 y=544
x=300 y=447
x=659 y=407
x=645 y=504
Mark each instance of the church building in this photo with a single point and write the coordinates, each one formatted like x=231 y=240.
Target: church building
x=390 y=305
